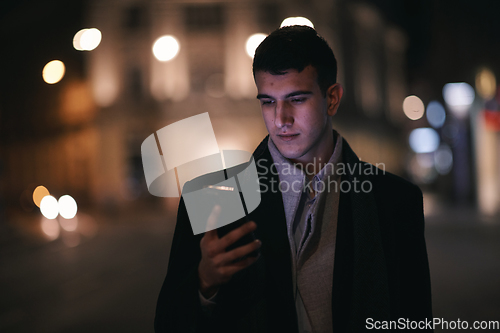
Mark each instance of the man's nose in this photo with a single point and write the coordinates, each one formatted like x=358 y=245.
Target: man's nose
x=284 y=115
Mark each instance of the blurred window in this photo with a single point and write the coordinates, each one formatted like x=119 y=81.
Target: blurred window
x=134 y=18
x=135 y=84
x=204 y=17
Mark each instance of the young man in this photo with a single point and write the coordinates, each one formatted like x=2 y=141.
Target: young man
x=341 y=243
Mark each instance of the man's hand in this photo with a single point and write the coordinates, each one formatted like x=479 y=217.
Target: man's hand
x=217 y=266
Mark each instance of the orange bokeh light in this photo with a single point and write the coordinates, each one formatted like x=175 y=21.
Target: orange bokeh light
x=39 y=193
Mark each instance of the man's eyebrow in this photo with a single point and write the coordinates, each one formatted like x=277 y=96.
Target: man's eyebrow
x=260 y=96
x=300 y=92
x=295 y=93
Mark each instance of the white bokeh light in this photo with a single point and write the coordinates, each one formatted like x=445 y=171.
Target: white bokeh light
x=53 y=71
x=436 y=114
x=458 y=97
x=297 y=20
x=67 y=207
x=77 y=38
x=49 y=207
x=166 y=48
x=253 y=42
x=413 y=107
x=87 y=39
x=424 y=140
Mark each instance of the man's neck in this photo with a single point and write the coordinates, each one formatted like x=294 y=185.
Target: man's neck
x=313 y=165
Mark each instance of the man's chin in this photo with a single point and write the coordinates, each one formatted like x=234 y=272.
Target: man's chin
x=287 y=150
x=288 y=153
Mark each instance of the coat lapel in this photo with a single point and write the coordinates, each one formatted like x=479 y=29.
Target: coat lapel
x=360 y=285
x=272 y=231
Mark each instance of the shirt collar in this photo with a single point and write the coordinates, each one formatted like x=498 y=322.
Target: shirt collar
x=289 y=172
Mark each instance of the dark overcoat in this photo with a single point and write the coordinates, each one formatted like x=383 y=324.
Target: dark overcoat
x=380 y=267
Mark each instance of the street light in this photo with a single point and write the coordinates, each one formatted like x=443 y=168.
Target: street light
x=458 y=98
x=413 y=107
x=436 y=116
x=297 y=20
x=39 y=193
x=253 y=42
x=424 y=140
x=486 y=84
x=53 y=71
x=67 y=207
x=87 y=39
x=49 y=207
x=166 y=48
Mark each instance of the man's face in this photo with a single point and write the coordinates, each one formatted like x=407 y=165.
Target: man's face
x=297 y=116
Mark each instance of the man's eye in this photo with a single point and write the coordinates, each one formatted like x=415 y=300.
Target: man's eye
x=266 y=102
x=298 y=100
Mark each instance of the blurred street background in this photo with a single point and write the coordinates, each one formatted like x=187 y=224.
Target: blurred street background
x=85 y=82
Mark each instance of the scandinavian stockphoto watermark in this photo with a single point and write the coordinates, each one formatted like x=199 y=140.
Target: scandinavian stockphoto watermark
x=427 y=324
x=341 y=177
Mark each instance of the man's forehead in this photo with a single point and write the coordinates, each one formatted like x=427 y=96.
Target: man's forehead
x=266 y=79
x=277 y=73
x=308 y=70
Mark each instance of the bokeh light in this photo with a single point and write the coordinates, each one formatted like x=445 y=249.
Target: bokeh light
x=90 y=39
x=425 y=160
x=297 y=20
x=413 y=107
x=87 y=39
x=39 y=193
x=50 y=228
x=443 y=159
x=458 y=97
x=67 y=207
x=436 y=115
x=53 y=71
x=424 y=140
x=486 y=84
x=253 y=42
x=166 y=48
x=421 y=168
x=77 y=38
x=49 y=207
x=69 y=225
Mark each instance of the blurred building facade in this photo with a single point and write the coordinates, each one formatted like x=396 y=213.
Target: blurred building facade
x=124 y=93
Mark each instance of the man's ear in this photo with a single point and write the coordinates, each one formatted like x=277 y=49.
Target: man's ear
x=333 y=97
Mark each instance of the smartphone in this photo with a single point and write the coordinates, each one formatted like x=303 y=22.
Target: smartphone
x=217 y=194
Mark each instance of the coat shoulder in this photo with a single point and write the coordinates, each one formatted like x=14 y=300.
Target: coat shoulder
x=389 y=184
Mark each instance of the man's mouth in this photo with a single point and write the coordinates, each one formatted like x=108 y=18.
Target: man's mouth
x=287 y=137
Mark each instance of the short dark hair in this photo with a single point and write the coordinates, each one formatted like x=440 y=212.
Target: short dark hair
x=296 y=47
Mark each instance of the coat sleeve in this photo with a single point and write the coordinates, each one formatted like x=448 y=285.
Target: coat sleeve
x=178 y=308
